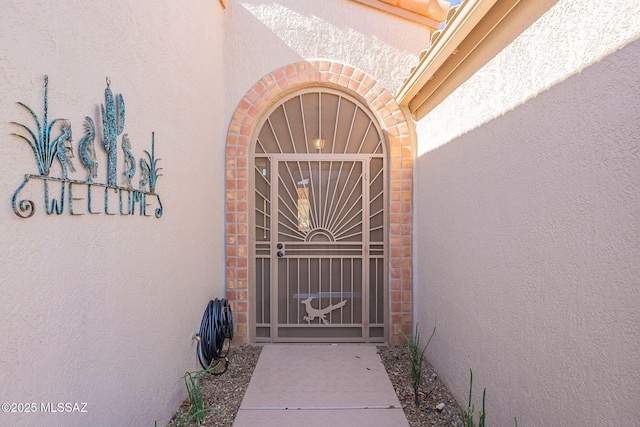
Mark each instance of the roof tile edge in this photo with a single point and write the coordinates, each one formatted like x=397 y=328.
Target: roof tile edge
x=425 y=12
x=461 y=21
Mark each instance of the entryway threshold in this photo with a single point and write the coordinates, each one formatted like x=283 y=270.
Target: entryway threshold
x=320 y=385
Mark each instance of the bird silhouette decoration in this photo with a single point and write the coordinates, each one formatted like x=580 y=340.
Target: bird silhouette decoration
x=321 y=314
x=87 y=149
x=145 y=170
x=64 y=151
x=129 y=160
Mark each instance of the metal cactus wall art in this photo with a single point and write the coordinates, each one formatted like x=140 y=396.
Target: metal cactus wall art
x=112 y=126
x=122 y=200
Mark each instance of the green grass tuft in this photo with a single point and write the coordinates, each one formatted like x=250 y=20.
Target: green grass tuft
x=416 y=357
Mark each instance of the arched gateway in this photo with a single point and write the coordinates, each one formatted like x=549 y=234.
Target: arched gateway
x=319 y=189
x=319 y=219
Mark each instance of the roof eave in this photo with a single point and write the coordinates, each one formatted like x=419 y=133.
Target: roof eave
x=461 y=26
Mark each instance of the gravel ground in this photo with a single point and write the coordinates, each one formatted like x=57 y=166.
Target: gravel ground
x=226 y=391
x=431 y=392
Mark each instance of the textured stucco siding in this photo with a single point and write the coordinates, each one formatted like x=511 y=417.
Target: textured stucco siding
x=263 y=36
x=98 y=308
x=527 y=246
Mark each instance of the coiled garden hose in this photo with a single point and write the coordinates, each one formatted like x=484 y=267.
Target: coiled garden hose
x=216 y=327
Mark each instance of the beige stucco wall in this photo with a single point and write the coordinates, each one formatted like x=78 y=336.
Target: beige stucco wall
x=96 y=308
x=263 y=36
x=528 y=200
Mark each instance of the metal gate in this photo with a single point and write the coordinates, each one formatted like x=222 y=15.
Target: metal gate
x=320 y=222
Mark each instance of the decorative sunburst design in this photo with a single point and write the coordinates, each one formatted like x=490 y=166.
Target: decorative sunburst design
x=319 y=200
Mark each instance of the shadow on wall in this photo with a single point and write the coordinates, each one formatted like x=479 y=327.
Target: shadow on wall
x=340 y=15
x=250 y=37
x=246 y=41
x=527 y=250
x=376 y=42
x=568 y=52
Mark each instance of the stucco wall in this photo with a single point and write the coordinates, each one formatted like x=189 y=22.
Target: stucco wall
x=263 y=36
x=528 y=254
x=97 y=308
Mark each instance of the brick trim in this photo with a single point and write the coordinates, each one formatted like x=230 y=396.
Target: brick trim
x=242 y=130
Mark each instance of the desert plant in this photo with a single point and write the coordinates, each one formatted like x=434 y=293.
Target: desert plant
x=196 y=403
x=197 y=411
x=467 y=417
x=416 y=357
x=44 y=149
x=153 y=165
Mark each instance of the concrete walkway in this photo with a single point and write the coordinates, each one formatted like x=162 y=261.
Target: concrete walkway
x=320 y=385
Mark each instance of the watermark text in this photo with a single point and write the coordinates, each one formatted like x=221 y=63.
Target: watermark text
x=48 y=407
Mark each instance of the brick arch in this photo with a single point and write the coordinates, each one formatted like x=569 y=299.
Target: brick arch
x=242 y=130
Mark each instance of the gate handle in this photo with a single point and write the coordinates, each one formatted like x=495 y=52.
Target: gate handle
x=280 y=254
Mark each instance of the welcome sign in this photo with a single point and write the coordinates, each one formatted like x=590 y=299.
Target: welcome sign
x=51 y=143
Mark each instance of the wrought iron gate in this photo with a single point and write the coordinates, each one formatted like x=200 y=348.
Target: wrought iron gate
x=319 y=223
